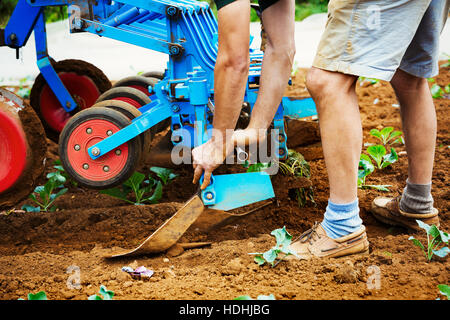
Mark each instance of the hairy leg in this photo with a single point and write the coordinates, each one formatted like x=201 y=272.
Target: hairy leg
x=419 y=124
x=279 y=24
x=340 y=129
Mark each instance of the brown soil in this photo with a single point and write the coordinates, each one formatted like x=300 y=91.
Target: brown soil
x=38 y=248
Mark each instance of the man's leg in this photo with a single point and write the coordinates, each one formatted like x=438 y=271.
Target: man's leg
x=279 y=25
x=230 y=77
x=419 y=124
x=334 y=93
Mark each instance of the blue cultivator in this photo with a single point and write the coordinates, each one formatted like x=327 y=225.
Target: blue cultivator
x=101 y=146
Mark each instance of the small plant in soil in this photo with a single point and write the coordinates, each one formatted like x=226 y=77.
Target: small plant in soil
x=166 y=175
x=387 y=135
x=365 y=169
x=44 y=196
x=104 y=294
x=144 y=190
x=437 y=92
x=378 y=154
x=283 y=241
x=260 y=297
x=60 y=170
x=296 y=165
x=444 y=290
x=41 y=295
x=435 y=239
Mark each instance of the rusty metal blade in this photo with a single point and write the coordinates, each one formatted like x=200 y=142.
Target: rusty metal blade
x=212 y=219
x=170 y=232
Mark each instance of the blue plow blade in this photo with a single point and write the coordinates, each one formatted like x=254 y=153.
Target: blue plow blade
x=296 y=107
x=241 y=189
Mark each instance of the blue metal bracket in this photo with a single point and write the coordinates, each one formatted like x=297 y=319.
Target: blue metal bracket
x=56 y=84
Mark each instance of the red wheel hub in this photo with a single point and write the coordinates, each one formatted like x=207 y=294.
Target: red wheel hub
x=81 y=88
x=13 y=153
x=86 y=135
x=142 y=89
x=134 y=103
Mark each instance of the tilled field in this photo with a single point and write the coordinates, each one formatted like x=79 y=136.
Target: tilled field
x=40 y=251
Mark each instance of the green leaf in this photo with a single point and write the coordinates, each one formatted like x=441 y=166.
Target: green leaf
x=445 y=290
x=442 y=252
x=95 y=297
x=270 y=255
x=135 y=180
x=377 y=153
x=380 y=187
x=163 y=173
x=376 y=133
x=282 y=237
x=41 y=295
x=116 y=193
x=157 y=194
x=243 y=298
x=61 y=192
x=263 y=297
x=436 y=91
x=389 y=158
x=385 y=132
x=417 y=242
x=424 y=226
x=29 y=208
x=259 y=259
x=107 y=294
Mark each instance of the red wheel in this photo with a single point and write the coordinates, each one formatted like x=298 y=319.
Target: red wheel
x=137 y=82
x=22 y=149
x=129 y=95
x=14 y=151
x=82 y=80
x=131 y=113
x=87 y=128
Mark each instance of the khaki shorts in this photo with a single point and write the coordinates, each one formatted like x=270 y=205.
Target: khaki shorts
x=373 y=38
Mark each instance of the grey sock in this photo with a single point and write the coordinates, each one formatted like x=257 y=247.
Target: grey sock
x=417 y=198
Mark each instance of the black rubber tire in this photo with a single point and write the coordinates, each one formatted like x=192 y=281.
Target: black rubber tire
x=130 y=112
x=125 y=92
x=79 y=67
x=115 y=117
x=140 y=81
x=154 y=74
x=139 y=97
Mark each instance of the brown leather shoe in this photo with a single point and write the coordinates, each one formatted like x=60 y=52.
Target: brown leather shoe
x=316 y=243
x=387 y=210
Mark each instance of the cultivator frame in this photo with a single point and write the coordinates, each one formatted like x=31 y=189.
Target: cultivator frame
x=186 y=31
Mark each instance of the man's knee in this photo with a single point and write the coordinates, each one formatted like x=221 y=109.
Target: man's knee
x=406 y=82
x=236 y=62
x=284 y=51
x=323 y=83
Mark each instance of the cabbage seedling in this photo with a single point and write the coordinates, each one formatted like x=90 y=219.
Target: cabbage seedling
x=46 y=195
x=386 y=135
x=444 y=290
x=435 y=238
x=105 y=294
x=383 y=160
x=283 y=241
x=366 y=169
x=140 y=187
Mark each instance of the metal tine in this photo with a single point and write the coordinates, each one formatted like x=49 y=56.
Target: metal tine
x=208 y=38
x=190 y=35
x=203 y=44
x=204 y=21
